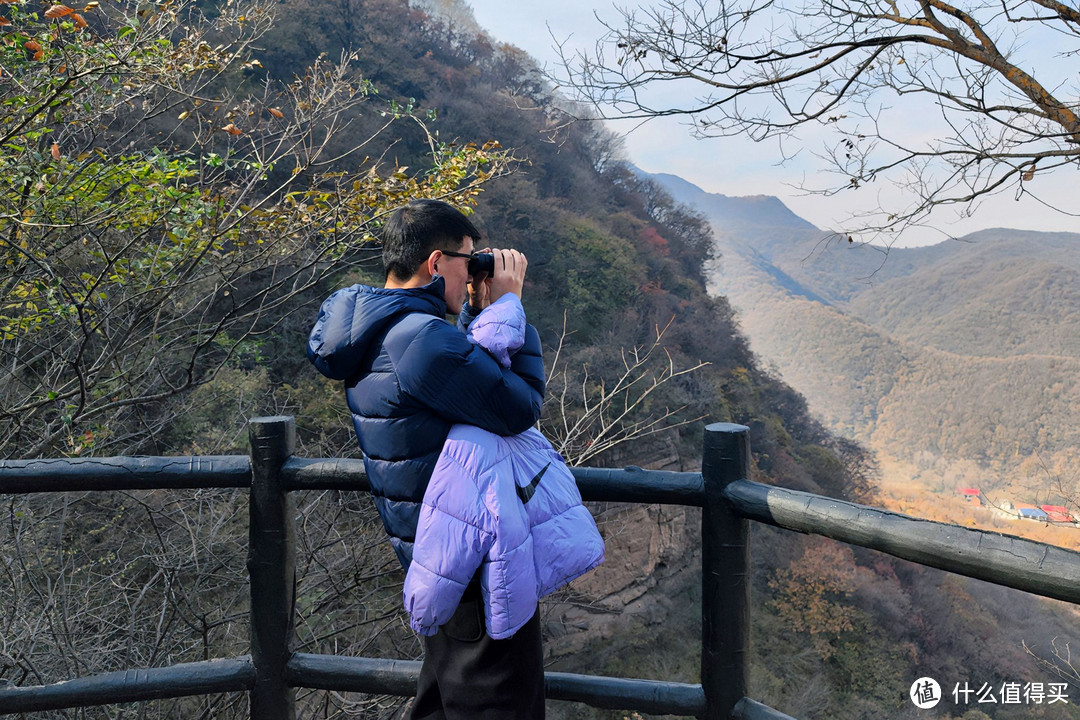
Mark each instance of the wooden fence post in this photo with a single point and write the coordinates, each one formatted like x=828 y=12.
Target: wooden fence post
x=271 y=567
x=725 y=567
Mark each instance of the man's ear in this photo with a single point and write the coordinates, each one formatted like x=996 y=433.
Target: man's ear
x=433 y=262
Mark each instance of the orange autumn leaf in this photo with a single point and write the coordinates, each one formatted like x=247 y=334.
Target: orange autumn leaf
x=4 y=22
x=58 y=11
x=32 y=45
x=232 y=129
x=80 y=21
x=55 y=151
x=39 y=55
x=275 y=112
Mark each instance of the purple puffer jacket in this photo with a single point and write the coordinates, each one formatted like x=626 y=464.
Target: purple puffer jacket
x=506 y=505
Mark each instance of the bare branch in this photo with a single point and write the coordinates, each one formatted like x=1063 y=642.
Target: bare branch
x=768 y=69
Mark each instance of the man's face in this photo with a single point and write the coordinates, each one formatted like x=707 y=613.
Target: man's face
x=455 y=270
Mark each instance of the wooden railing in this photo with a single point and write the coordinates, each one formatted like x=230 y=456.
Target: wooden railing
x=722 y=489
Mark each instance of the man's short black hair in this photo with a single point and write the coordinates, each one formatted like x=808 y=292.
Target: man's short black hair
x=413 y=231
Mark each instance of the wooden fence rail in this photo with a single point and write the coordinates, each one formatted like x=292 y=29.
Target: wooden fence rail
x=722 y=489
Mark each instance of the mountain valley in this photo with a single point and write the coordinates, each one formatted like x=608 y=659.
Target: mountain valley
x=958 y=363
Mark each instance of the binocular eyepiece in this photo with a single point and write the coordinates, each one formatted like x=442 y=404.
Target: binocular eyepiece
x=482 y=263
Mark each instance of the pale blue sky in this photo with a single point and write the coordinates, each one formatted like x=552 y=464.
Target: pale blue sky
x=740 y=167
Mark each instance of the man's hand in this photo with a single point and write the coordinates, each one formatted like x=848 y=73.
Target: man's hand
x=509 y=276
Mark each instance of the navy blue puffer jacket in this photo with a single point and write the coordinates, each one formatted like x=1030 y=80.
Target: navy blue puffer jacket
x=409 y=376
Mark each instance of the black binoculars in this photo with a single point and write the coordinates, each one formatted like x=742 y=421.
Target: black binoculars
x=482 y=263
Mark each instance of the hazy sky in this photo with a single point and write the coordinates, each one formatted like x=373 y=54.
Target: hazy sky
x=732 y=166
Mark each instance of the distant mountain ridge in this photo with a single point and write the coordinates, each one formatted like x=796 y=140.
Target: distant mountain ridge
x=755 y=211
x=961 y=354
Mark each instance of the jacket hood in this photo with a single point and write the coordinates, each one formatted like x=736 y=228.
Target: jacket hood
x=500 y=328
x=353 y=318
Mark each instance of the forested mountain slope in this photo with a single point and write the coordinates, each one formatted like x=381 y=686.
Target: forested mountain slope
x=997 y=293
x=957 y=355
x=954 y=362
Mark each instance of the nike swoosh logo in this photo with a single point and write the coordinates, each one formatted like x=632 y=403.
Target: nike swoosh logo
x=526 y=493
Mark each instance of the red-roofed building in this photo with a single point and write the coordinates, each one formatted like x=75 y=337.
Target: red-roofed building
x=1058 y=513
x=972 y=495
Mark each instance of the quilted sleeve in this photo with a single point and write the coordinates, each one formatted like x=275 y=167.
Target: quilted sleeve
x=453 y=536
x=500 y=328
x=441 y=369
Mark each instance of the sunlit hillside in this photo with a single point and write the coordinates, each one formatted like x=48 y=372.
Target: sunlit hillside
x=957 y=362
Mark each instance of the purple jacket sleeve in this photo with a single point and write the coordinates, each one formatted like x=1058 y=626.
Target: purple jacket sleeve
x=500 y=328
x=453 y=536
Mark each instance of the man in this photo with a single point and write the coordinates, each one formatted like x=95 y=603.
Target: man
x=409 y=376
